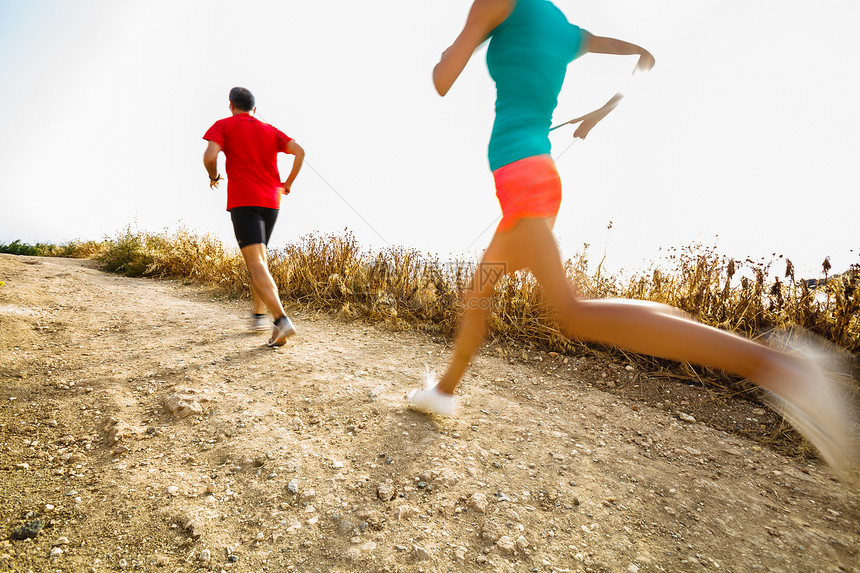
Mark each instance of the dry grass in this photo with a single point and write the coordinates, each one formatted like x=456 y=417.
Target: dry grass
x=407 y=289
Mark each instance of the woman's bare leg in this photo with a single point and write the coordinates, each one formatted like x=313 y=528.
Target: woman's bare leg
x=803 y=394
x=500 y=259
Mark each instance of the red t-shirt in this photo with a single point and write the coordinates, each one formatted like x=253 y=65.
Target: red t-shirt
x=252 y=148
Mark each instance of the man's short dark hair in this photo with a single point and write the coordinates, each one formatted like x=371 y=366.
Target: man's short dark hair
x=242 y=99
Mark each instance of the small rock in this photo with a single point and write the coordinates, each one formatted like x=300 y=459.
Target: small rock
x=632 y=569
x=345 y=527
x=522 y=542
x=307 y=496
x=172 y=490
x=29 y=530
x=420 y=553
x=293 y=486
x=49 y=508
x=405 y=512
x=118 y=430
x=183 y=405
x=491 y=531
x=205 y=555
x=478 y=502
x=369 y=546
x=759 y=411
x=385 y=491
x=61 y=541
x=460 y=554
x=506 y=544
x=687 y=418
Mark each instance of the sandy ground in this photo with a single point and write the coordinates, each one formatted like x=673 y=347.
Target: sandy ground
x=143 y=428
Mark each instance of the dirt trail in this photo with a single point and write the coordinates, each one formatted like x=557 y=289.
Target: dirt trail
x=305 y=458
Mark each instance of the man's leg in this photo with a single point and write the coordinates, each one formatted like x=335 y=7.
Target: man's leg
x=257 y=304
x=264 y=289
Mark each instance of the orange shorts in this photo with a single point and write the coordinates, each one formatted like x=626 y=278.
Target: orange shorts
x=528 y=188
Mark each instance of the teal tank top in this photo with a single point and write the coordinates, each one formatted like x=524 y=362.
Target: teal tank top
x=527 y=59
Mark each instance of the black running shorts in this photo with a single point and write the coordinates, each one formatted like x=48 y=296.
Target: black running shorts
x=253 y=225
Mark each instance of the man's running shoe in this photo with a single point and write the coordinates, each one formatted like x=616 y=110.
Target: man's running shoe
x=259 y=322
x=283 y=330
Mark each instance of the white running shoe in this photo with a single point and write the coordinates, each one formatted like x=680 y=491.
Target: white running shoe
x=820 y=410
x=259 y=323
x=283 y=330
x=431 y=400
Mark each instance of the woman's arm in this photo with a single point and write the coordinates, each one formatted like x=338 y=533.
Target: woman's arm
x=602 y=45
x=484 y=16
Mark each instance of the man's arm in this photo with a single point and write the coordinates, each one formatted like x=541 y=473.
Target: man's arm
x=210 y=162
x=295 y=149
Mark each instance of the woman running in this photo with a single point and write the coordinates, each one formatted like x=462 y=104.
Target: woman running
x=531 y=45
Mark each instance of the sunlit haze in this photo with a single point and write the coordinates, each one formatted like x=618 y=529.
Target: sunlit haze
x=746 y=129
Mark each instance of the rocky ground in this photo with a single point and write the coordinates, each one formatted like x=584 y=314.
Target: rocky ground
x=143 y=428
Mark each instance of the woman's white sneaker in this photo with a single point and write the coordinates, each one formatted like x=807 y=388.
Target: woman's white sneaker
x=433 y=401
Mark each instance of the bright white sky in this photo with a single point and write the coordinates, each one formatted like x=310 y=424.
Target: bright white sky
x=746 y=129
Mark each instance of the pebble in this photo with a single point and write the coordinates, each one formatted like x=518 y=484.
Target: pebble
x=632 y=569
x=478 y=502
x=56 y=552
x=687 y=418
x=420 y=553
x=293 y=486
x=61 y=541
x=491 y=531
x=205 y=555
x=522 y=542
x=172 y=490
x=369 y=546
x=385 y=491
x=29 y=530
x=345 y=527
x=506 y=544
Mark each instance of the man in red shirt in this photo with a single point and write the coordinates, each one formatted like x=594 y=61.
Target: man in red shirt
x=254 y=190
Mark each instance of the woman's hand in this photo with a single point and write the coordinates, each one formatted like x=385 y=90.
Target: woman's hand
x=591 y=119
x=645 y=63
